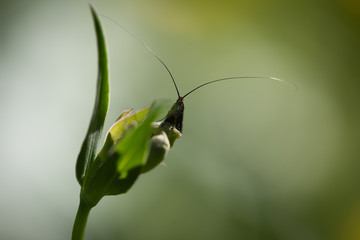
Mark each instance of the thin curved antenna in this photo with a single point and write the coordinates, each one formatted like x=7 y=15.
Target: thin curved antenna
x=149 y=49
x=230 y=78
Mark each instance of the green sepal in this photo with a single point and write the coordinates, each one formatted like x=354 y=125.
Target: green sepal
x=134 y=148
x=88 y=149
x=162 y=140
x=125 y=122
x=123 y=156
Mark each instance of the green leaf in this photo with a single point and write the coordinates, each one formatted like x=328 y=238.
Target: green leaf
x=134 y=147
x=121 y=127
x=120 y=161
x=89 y=146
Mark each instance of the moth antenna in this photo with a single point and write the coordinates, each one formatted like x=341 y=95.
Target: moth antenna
x=146 y=47
x=230 y=78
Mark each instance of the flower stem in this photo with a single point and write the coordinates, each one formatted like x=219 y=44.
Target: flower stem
x=80 y=221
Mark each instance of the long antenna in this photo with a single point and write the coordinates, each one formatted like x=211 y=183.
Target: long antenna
x=230 y=78
x=172 y=78
x=151 y=51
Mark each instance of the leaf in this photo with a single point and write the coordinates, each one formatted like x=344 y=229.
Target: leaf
x=119 y=163
x=134 y=147
x=88 y=148
x=121 y=127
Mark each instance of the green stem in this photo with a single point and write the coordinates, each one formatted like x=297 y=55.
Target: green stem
x=80 y=221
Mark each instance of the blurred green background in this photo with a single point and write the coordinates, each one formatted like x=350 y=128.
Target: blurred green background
x=257 y=159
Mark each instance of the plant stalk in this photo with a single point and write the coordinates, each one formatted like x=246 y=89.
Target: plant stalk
x=80 y=221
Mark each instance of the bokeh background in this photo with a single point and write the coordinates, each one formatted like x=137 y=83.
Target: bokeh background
x=257 y=159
